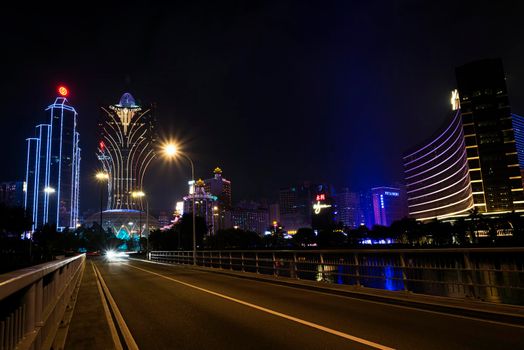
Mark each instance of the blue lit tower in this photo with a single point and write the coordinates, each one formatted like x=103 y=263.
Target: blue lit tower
x=53 y=168
x=125 y=151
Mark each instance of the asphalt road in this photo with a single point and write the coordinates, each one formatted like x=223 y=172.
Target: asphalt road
x=170 y=307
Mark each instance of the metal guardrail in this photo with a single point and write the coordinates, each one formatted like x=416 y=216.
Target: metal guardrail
x=489 y=274
x=33 y=301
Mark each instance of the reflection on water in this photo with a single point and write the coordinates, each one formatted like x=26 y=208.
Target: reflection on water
x=488 y=277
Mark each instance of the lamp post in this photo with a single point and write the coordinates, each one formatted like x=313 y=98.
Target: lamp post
x=171 y=151
x=141 y=194
x=101 y=177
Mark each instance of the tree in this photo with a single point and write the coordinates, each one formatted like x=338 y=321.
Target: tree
x=304 y=237
x=233 y=238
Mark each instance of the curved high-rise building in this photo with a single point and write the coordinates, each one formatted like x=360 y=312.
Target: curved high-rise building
x=473 y=162
x=125 y=150
x=437 y=174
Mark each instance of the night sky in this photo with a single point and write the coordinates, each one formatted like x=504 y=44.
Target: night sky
x=272 y=92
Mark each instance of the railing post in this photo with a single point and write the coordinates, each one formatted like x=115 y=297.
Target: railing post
x=293 y=269
x=275 y=271
x=403 y=269
x=322 y=276
x=469 y=274
x=30 y=309
x=220 y=260
x=357 y=269
x=256 y=261
x=230 y=262
x=242 y=256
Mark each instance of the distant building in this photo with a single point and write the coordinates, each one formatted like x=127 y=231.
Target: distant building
x=518 y=128
x=295 y=206
x=53 y=168
x=205 y=206
x=220 y=187
x=388 y=205
x=12 y=193
x=165 y=219
x=349 y=209
x=250 y=216
x=322 y=204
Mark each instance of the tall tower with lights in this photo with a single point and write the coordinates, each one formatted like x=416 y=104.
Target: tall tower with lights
x=125 y=151
x=53 y=167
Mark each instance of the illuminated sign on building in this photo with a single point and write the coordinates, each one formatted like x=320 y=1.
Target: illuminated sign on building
x=318 y=206
x=394 y=194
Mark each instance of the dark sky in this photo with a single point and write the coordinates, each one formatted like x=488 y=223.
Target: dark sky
x=273 y=92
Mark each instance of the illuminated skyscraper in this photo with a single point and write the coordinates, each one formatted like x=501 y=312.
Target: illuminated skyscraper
x=473 y=162
x=125 y=151
x=388 y=205
x=53 y=168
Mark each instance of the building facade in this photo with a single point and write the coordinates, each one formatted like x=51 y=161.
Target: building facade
x=473 y=163
x=388 y=205
x=53 y=168
x=12 y=193
x=125 y=151
x=250 y=216
x=490 y=138
x=349 y=209
x=205 y=205
x=295 y=206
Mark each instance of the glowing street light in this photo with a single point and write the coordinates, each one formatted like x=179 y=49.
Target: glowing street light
x=101 y=177
x=141 y=194
x=171 y=151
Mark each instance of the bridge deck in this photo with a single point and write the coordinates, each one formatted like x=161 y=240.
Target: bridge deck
x=167 y=307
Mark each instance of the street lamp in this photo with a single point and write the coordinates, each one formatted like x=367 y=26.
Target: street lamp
x=101 y=177
x=172 y=151
x=141 y=194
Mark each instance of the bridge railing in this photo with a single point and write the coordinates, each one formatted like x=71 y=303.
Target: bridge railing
x=490 y=274
x=33 y=301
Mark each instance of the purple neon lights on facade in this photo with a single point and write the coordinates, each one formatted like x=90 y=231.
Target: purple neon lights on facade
x=436 y=187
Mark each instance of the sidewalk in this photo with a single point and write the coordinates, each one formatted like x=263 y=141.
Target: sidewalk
x=89 y=328
x=505 y=313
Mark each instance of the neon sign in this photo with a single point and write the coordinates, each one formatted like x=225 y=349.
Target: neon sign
x=321 y=197
x=394 y=194
x=62 y=90
x=317 y=207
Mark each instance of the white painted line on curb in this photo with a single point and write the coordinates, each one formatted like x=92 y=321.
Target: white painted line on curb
x=112 y=328
x=130 y=341
x=272 y=312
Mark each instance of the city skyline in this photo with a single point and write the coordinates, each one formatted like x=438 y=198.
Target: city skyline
x=337 y=124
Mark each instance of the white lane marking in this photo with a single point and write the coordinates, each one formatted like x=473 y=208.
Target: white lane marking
x=272 y=312
x=412 y=308
x=130 y=342
x=112 y=328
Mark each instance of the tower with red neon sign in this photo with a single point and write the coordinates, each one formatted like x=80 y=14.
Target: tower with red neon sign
x=53 y=167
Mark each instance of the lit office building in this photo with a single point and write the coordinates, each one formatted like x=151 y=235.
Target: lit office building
x=220 y=187
x=473 y=162
x=349 y=209
x=53 y=168
x=12 y=193
x=388 y=205
x=205 y=205
x=250 y=216
x=294 y=205
x=518 y=128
